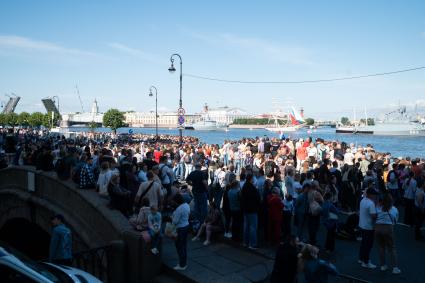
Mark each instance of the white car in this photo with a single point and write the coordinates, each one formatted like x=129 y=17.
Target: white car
x=14 y=269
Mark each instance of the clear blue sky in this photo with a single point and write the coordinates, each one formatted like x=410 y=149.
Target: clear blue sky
x=115 y=50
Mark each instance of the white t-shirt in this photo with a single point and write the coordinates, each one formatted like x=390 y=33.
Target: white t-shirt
x=387 y=217
x=367 y=208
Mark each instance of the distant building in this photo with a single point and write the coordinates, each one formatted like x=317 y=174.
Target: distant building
x=165 y=119
x=225 y=114
x=83 y=118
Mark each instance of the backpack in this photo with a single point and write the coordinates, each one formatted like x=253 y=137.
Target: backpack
x=389 y=177
x=163 y=174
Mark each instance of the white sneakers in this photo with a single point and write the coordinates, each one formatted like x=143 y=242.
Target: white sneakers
x=194 y=239
x=206 y=243
x=228 y=235
x=155 y=251
x=178 y=267
x=368 y=265
x=396 y=270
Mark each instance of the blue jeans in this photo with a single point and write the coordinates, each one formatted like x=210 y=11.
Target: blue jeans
x=181 y=245
x=201 y=206
x=155 y=238
x=226 y=159
x=250 y=229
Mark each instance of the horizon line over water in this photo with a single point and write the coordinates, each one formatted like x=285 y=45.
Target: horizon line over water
x=398 y=146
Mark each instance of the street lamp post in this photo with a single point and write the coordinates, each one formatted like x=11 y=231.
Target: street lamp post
x=172 y=70
x=156 y=109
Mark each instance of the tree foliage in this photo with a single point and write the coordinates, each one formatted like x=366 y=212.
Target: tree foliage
x=12 y=119
x=251 y=121
x=23 y=119
x=2 y=119
x=36 y=119
x=345 y=121
x=370 y=121
x=113 y=119
x=309 y=121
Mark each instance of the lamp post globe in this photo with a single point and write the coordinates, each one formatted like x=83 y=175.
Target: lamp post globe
x=156 y=108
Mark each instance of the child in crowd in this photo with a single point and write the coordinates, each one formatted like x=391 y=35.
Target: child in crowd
x=154 y=222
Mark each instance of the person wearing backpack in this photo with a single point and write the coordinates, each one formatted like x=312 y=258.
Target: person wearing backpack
x=60 y=251
x=165 y=174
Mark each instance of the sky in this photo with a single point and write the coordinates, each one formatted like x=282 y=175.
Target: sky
x=115 y=50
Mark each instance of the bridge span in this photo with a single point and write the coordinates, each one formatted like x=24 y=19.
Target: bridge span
x=29 y=198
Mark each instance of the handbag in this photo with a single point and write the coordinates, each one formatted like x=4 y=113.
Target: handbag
x=138 y=204
x=170 y=230
x=333 y=216
x=315 y=208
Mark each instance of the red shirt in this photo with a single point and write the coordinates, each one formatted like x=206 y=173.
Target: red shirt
x=157 y=155
x=275 y=206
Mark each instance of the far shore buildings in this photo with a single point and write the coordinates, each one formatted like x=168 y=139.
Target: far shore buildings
x=224 y=115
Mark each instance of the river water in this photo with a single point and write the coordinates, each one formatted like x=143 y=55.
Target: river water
x=397 y=145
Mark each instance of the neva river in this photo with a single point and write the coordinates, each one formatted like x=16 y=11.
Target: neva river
x=397 y=145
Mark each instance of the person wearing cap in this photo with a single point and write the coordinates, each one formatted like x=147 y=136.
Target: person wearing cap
x=367 y=217
x=60 y=251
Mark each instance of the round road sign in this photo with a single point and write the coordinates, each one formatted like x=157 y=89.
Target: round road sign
x=181 y=111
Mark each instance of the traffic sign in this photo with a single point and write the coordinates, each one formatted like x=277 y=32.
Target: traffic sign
x=181 y=119
x=181 y=111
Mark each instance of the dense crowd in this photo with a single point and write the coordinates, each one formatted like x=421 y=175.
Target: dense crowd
x=254 y=191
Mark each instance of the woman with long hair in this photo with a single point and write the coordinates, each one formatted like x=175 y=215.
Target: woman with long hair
x=386 y=218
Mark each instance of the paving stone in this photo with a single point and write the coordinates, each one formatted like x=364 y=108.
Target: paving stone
x=240 y=256
x=233 y=278
x=200 y=273
x=255 y=273
x=220 y=265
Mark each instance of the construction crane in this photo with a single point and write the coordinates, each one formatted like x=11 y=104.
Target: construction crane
x=79 y=97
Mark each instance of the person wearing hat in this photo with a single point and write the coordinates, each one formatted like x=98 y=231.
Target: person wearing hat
x=367 y=217
x=60 y=251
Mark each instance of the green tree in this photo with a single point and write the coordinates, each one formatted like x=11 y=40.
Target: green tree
x=36 y=119
x=2 y=119
x=113 y=119
x=345 y=121
x=309 y=121
x=370 y=121
x=12 y=119
x=92 y=126
x=23 y=119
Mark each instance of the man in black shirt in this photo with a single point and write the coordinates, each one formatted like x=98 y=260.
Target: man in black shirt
x=285 y=264
x=198 y=180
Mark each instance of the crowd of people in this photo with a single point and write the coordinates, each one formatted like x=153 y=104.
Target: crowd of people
x=254 y=191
